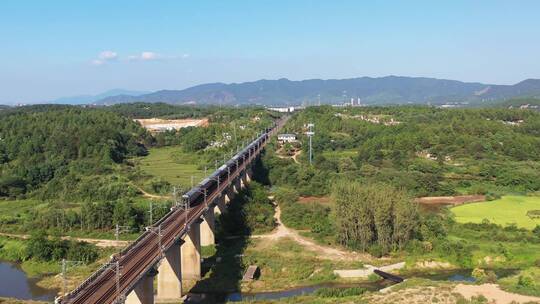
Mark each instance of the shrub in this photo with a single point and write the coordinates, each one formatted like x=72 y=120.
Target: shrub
x=479 y=274
x=536 y=230
x=491 y=277
x=525 y=281
x=376 y=250
x=327 y=292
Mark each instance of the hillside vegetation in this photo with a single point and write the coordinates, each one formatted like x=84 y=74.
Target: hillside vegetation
x=426 y=151
x=82 y=171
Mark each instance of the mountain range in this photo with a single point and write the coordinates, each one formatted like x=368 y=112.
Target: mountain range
x=89 y=99
x=383 y=90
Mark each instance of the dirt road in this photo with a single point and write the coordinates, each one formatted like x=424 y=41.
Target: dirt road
x=325 y=252
x=97 y=242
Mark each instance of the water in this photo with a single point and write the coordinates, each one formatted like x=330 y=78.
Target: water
x=460 y=275
x=14 y=283
x=274 y=295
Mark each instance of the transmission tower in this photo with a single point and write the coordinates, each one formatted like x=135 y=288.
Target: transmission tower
x=310 y=134
x=120 y=229
x=65 y=265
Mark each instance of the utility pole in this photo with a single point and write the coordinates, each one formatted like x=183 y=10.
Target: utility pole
x=117 y=275
x=159 y=235
x=310 y=134
x=319 y=97
x=185 y=206
x=120 y=229
x=65 y=264
x=234 y=130
x=151 y=211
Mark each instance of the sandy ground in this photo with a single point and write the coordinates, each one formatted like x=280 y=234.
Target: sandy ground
x=158 y=125
x=450 y=200
x=324 y=252
x=492 y=292
x=415 y=295
x=97 y=242
x=367 y=270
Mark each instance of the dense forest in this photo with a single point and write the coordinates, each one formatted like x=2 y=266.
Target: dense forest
x=371 y=162
x=427 y=151
x=67 y=168
x=53 y=147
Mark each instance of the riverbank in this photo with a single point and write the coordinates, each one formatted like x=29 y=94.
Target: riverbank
x=46 y=273
x=16 y=301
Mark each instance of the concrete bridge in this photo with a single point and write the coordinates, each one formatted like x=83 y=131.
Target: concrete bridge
x=171 y=248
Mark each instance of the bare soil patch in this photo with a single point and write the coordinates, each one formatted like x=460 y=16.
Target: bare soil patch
x=323 y=200
x=160 y=125
x=493 y=293
x=450 y=200
x=325 y=252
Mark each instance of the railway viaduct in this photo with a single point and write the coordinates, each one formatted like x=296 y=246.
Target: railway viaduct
x=170 y=250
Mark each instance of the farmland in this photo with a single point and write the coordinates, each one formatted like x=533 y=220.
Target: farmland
x=504 y=211
x=172 y=165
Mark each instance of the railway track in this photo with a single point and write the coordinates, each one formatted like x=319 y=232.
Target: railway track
x=139 y=258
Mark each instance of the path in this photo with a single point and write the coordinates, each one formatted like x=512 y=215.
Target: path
x=293 y=157
x=296 y=155
x=97 y=242
x=150 y=195
x=326 y=252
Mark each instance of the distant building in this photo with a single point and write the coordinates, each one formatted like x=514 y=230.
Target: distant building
x=283 y=109
x=283 y=138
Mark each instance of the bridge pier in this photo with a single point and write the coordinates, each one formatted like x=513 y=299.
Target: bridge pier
x=169 y=281
x=242 y=181
x=221 y=206
x=237 y=185
x=191 y=253
x=208 y=227
x=249 y=174
x=229 y=195
x=143 y=293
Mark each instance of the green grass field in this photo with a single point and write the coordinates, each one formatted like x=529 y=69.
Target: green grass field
x=172 y=165
x=340 y=153
x=504 y=211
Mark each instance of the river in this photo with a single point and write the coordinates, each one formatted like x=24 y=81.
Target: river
x=14 y=283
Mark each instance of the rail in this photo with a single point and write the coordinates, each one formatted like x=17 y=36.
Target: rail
x=137 y=247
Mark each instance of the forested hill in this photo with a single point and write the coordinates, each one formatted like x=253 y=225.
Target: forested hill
x=384 y=90
x=53 y=150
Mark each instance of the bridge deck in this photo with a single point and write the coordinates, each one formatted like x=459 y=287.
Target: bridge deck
x=141 y=256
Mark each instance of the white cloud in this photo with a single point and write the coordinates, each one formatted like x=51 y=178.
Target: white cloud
x=149 y=56
x=108 y=55
x=152 y=56
x=105 y=57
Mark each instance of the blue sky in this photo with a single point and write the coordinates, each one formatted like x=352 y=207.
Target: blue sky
x=50 y=49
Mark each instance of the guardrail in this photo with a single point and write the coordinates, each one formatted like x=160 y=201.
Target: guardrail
x=174 y=209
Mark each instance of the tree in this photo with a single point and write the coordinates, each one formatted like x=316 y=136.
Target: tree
x=374 y=214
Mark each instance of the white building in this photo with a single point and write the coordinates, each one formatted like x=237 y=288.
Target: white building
x=283 y=138
x=283 y=109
